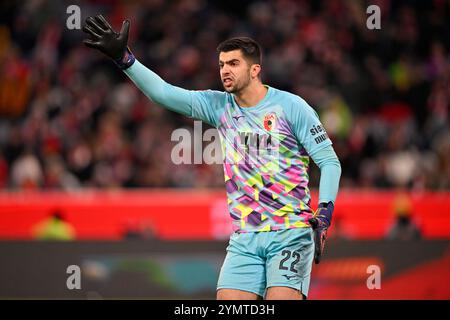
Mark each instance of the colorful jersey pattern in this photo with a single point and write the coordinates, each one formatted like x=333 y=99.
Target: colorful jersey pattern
x=266 y=159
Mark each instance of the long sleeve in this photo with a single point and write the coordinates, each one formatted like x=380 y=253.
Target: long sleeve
x=330 y=173
x=203 y=105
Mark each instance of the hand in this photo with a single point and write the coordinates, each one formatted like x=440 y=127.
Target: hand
x=108 y=41
x=320 y=222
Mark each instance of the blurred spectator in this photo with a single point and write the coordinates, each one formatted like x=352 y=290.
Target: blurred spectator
x=56 y=175
x=69 y=119
x=404 y=228
x=55 y=227
x=26 y=172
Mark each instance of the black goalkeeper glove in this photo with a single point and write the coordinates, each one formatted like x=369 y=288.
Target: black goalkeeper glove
x=108 y=41
x=320 y=222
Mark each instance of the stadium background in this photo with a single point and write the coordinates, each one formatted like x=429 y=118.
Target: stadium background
x=77 y=138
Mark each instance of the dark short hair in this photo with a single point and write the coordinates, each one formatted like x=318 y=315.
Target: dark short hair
x=251 y=50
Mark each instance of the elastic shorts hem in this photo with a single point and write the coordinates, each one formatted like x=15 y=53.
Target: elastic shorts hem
x=242 y=289
x=299 y=288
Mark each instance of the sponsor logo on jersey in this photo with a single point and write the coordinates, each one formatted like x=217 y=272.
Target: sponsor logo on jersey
x=320 y=131
x=317 y=129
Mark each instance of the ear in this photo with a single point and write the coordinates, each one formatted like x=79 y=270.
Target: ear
x=255 y=70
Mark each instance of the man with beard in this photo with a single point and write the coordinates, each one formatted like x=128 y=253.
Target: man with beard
x=267 y=136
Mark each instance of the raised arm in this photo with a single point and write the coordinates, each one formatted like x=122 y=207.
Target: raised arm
x=201 y=105
x=156 y=89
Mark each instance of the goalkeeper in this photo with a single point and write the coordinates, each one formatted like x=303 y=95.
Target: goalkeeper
x=267 y=137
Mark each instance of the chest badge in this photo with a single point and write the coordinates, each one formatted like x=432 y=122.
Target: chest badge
x=269 y=121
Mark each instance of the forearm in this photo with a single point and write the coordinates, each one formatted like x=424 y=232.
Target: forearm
x=330 y=173
x=329 y=182
x=156 y=89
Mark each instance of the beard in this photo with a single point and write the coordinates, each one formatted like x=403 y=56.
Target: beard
x=239 y=85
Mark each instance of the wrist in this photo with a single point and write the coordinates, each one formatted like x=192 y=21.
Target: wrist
x=127 y=59
x=325 y=213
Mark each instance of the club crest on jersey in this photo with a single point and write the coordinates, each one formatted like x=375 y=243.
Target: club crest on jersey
x=269 y=121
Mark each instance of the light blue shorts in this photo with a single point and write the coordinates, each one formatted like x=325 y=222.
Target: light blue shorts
x=256 y=261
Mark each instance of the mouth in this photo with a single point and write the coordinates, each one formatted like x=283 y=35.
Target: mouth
x=227 y=82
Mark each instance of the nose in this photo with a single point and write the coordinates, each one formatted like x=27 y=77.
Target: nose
x=225 y=70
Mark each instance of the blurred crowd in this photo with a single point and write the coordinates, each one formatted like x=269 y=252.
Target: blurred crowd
x=70 y=119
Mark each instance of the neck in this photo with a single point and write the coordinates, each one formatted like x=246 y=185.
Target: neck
x=251 y=95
